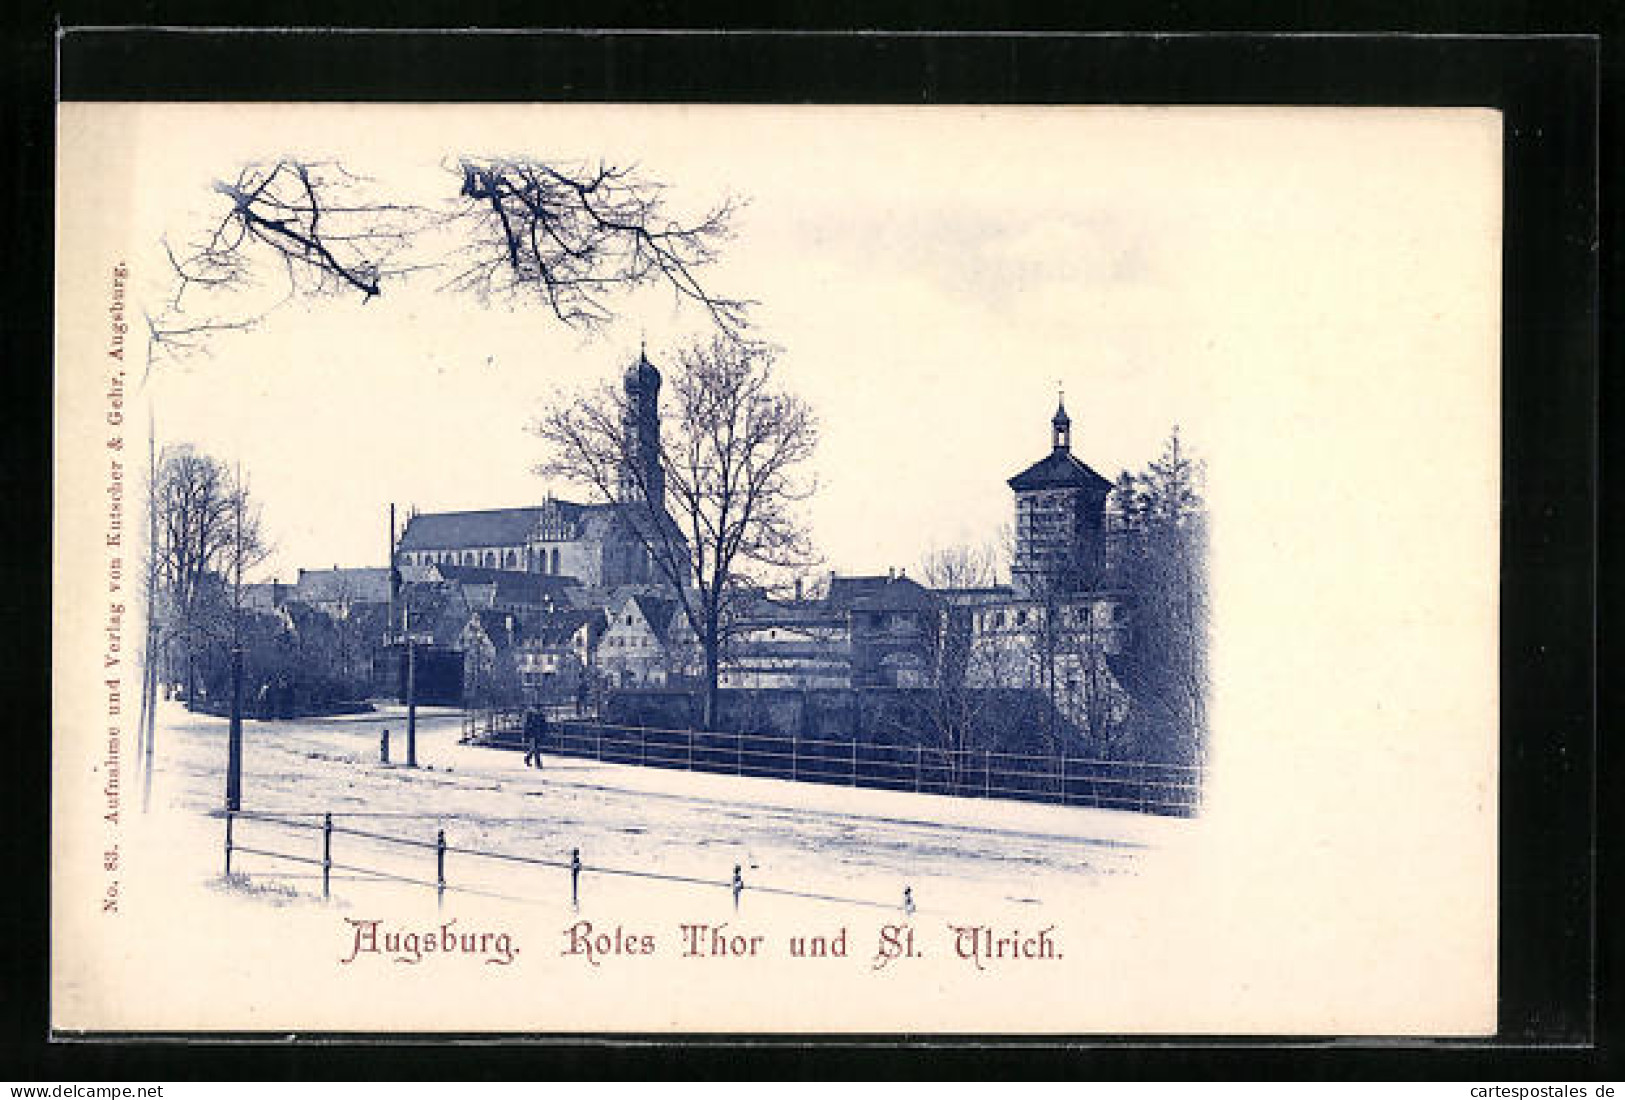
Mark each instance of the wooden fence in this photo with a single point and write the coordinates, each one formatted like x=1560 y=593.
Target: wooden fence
x=313 y=838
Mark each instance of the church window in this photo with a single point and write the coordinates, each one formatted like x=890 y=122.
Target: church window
x=555 y=561
x=509 y=560
x=1021 y=618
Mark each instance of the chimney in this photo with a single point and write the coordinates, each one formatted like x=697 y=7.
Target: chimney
x=891 y=572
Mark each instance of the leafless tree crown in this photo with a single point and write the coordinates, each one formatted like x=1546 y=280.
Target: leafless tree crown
x=572 y=235
x=731 y=451
x=209 y=535
x=321 y=229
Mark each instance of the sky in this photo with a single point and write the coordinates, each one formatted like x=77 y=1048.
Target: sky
x=932 y=276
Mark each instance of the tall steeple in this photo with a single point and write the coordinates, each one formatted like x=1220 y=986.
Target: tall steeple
x=1061 y=426
x=1059 y=503
x=642 y=474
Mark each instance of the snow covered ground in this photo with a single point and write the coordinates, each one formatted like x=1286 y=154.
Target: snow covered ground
x=858 y=845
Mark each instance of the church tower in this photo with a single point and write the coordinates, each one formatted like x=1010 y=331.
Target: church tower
x=640 y=425
x=1060 y=503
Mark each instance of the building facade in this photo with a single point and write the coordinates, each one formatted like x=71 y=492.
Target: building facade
x=646 y=643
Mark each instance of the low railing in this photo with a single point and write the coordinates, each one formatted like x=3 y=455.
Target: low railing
x=1140 y=786
x=321 y=856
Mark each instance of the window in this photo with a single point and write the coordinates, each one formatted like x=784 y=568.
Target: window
x=1021 y=618
x=555 y=561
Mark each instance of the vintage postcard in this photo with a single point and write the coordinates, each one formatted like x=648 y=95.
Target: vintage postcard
x=561 y=569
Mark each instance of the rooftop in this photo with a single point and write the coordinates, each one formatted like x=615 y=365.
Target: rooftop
x=1060 y=469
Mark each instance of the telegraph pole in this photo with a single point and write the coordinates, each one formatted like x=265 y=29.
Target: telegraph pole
x=411 y=648
x=234 y=743
x=411 y=702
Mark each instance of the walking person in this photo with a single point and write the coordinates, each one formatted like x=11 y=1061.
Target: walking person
x=534 y=725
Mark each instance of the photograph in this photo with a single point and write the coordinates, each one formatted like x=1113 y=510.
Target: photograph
x=560 y=569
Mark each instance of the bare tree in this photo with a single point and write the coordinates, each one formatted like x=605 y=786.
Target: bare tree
x=718 y=500
x=960 y=566
x=572 y=234
x=208 y=533
x=317 y=227
x=953 y=712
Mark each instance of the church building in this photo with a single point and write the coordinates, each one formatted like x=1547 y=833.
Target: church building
x=597 y=544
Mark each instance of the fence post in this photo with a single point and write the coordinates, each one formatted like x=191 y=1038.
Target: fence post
x=690 y=756
x=575 y=879
x=327 y=854
x=440 y=867
x=854 y=761
x=738 y=886
x=795 y=758
x=987 y=773
x=229 y=818
x=598 y=744
x=739 y=754
x=1063 y=778
x=643 y=747
x=908 y=900
x=919 y=758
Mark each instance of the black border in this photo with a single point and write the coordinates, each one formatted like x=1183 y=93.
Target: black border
x=1548 y=89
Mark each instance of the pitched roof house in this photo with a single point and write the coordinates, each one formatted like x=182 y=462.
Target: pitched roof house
x=646 y=642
